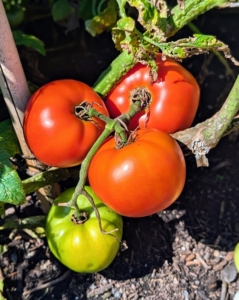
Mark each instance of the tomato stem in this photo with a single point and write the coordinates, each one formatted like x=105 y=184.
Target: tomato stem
x=112 y=125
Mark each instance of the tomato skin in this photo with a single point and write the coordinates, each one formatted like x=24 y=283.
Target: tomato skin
x=174 y=97
x=236 y=256
x=83 y=248
x=55 y=135
x=141 y=178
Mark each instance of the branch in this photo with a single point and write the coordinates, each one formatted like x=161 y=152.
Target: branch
x=192 y=8
x=44 y=178
x=16 y=94
x=30 y=222
x=118 y=68
x=206 y=135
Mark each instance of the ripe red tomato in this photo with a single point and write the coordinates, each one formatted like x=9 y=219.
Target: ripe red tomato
x=83 y=247
x=174 y=97
x=141 y=178
x=55 y=135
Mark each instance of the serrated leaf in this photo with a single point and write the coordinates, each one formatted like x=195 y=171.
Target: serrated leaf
x=61 y=10
x=197 y=44
x=152 y=19
x=8 y=139
x=22 y=39
x=104 y=21
x=11 y=189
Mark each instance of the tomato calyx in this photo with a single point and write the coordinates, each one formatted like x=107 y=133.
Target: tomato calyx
x=79 y=218
x=141 y=94
x=82 y=110
x=120 y=143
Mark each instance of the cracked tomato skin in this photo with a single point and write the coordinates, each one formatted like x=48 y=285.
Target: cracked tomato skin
x=174 y=96
x=142 y=178
x=54 y=134
x=82 y=247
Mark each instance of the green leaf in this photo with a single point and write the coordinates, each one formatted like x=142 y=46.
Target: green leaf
x=104 y=21
x=11 y=190
x=61 y=10
x=152 y=19
x=8 y=139
x=29 y=41
x=127 y=24
x=197 y=44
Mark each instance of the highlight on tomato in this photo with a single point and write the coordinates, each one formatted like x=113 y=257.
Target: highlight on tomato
x=83 y=247
x=174 y=97
x=139 y=179
x=52 y=129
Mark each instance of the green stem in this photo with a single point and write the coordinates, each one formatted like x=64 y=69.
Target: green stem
x=116 y=70
x=192 y=8
x=222 y=119
x=211 y=131
x=121 y=4
x=44 y=178
x=86 y=163
x=31 y=222
x=111 y=126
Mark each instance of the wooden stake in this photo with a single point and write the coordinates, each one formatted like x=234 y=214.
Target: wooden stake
x=16 y=95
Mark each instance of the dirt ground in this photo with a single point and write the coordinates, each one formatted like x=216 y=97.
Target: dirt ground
x=183 y=253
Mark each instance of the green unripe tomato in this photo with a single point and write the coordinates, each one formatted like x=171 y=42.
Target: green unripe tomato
x=236 y=256
x=83 y=247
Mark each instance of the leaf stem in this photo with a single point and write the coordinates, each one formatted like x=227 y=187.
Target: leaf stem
x=121 y=4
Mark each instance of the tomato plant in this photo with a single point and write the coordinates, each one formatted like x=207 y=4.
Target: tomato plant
x=53 y=132
x=141 y=178
x=83 y=247
x=174 y=96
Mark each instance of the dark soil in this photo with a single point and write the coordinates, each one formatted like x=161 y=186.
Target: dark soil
x=180 y=253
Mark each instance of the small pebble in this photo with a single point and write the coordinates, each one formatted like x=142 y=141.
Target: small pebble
x=117 y=294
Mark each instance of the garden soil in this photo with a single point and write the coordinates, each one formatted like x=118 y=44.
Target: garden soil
x=182 y=253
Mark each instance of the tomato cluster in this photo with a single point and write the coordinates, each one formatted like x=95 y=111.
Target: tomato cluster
x=134 y=179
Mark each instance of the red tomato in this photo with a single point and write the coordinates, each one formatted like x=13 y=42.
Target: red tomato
x=141 y=178
x=174 y=97
x=55 y=135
